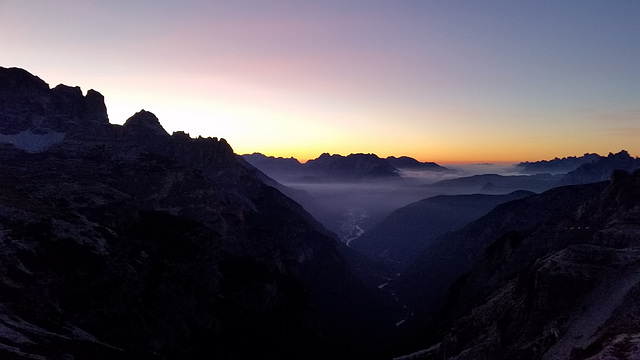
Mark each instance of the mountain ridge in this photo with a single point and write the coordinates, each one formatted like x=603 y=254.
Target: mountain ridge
x=550 y=276
x=152 y=245
x=355 y=167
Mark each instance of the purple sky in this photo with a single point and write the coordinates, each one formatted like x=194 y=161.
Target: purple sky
x=436 y=80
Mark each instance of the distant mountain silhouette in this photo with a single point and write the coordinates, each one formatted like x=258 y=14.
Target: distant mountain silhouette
x=404 y=234
x=338 y=168
x=601 y=169
x=408 y=163
x=557 y=165
x=273 y=166
x=354 y=167
x=498 y=184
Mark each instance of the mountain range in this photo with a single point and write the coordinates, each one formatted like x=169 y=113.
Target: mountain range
x=549 y=276
x=127 y=242
x=337 y=168
x=557 y=165
x=583 y=170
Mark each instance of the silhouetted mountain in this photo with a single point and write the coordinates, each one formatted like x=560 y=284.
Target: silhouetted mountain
x=408 y=163
x=275 y=167
x=601 y=169
x=550 y=276
x=493 y=183
x=122 y=242
x=326 y=168
x=557 y=165
x=404 y=234
x=354 y=167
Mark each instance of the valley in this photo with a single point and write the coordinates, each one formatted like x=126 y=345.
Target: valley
x=125 y=241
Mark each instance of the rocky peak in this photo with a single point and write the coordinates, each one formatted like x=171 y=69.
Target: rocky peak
x=601 y=169
x=95 y=109
x=18 y=81
x=30 y=105
x=145 y=120
x=144 y=128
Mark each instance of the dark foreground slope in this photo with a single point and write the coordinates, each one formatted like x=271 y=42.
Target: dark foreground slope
x=551 y=276
x=125 y=242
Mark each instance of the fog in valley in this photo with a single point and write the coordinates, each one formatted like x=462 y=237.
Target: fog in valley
x=349 y=208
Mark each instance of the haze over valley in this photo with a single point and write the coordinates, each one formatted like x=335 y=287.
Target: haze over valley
x=196 y=250
x=384 y=180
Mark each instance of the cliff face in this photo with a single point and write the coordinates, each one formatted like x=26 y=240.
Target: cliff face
x=27 y=103
x=128 y=242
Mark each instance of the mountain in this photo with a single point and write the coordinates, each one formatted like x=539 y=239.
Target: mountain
x=404 y=234
x=557 y=165
x=325 y=168
x=338 y=168
x=601 y=169
x=550 y=276
x=411 y=164
x=354 y=167
x=275 y=167
x=121 y=242
x=594 y=168
x=497 y=184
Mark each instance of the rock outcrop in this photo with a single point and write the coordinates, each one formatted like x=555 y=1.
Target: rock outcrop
x=28 y=104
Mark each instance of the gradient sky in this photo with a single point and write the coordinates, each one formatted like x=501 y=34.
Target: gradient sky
x=445 y=81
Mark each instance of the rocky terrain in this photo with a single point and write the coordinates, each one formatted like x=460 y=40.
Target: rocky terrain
x=127 y=242
x=551 y=276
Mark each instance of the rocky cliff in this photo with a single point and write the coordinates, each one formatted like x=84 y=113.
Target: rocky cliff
x=127 y=242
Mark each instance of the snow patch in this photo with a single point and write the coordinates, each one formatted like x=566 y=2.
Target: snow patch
x=32 y=143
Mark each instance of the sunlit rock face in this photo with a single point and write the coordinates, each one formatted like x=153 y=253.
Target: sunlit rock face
x=127 y=242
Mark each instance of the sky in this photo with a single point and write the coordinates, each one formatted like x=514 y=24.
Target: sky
x=445 y=81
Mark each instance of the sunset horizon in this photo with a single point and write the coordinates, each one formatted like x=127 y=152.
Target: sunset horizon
x=286 y=179
x=440 y=81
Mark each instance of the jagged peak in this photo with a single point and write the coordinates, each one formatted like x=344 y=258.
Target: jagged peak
x=145 y=121
x=621 y=154
x=29 y=104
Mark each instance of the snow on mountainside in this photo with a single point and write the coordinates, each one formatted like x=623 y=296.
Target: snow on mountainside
x=28 y=141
